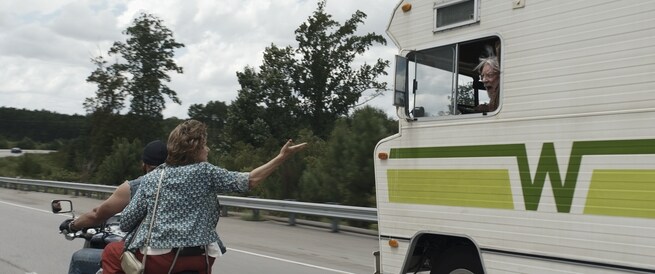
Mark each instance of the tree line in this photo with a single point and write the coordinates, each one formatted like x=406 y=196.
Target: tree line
x=308 y=93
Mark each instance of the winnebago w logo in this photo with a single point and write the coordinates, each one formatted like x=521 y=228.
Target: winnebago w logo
x=617 y=191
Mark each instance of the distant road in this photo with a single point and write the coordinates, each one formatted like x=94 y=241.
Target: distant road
x=7 y=152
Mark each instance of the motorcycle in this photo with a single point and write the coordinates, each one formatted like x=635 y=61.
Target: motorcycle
x=95 y=238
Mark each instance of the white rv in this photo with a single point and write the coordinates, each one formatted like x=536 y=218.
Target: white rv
x=558 y=176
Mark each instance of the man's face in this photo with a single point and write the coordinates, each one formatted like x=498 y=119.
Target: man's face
x=489 y=78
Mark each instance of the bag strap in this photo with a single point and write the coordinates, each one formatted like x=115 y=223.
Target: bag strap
x=132 y=235
x=152 y=221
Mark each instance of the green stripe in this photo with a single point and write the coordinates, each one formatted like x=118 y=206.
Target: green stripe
x=626 y=193
x=563 y=188
x=469 y=188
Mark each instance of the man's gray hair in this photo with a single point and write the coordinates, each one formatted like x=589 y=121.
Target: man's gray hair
x=492 y=61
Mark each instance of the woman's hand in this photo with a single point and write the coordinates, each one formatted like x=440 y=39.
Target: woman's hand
x=289 y=148
x=260 y=173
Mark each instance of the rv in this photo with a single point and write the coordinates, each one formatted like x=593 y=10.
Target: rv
x=526 y=138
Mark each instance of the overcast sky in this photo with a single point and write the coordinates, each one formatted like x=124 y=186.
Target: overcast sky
x=46 y=45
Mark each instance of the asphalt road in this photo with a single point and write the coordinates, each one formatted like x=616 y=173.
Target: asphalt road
x=7 y=152
x=32 y=244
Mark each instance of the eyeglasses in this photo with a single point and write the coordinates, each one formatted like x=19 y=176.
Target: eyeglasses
x=488 y=75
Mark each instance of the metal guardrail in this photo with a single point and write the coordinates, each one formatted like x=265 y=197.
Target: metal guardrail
x=333 y=211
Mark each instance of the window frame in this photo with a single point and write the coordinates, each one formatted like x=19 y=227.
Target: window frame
x=437 y=6
x=466 y=52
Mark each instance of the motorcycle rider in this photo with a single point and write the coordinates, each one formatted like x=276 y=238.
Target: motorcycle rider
x=87 y=260
x=188 y=214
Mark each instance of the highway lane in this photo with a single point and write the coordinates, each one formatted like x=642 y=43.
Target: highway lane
x=7 y=152
x=31 y=243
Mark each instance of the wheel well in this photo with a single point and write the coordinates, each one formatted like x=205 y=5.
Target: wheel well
x=429 y=251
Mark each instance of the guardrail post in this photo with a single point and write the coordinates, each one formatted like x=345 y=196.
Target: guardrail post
x=255 y=211
x=292 y=215
x=335 y=220
x=335 y=224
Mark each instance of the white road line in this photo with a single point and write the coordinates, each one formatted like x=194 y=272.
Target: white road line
x=232 y=249
x=289 y=261
x=32 y=208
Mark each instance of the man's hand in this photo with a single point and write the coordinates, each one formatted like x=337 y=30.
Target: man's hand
x=66 y=226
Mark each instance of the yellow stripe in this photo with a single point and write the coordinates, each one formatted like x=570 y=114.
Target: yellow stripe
x=629 y=193
x=489 y=188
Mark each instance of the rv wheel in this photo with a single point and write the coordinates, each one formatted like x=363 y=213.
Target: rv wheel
x=457 y=260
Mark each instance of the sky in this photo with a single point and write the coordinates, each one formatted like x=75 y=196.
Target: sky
x=46 y=46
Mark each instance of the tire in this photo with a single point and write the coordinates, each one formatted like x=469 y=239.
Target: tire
x=461 y=259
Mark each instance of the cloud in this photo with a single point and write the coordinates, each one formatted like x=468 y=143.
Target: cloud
x=46 y=46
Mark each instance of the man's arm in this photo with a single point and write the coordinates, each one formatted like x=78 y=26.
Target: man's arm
x=260 y=173
x=114 y=204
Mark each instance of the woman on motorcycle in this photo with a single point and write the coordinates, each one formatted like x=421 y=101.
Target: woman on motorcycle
x=87 y=260
x=184 y=233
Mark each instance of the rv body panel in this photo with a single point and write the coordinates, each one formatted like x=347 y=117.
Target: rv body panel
x=561 y=177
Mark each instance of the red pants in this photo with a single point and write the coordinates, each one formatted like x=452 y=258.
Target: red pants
x=111 y=261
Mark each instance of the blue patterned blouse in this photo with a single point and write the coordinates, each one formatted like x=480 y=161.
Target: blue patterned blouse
x=187 y=210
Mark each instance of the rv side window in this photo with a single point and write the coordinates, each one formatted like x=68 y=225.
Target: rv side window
x=447 y=80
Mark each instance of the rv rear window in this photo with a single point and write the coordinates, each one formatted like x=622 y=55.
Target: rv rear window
x=455 y=13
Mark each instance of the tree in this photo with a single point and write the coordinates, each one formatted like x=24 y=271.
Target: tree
x=246 y=119
x=315 y=83
x=122 y=164
x=343 y=171
x=140 y=73
x=214 y=115
x=324 y=79
x=110 y=95
x=26 y=143
x=3 y=142
x=149 y=54
x=29 y=167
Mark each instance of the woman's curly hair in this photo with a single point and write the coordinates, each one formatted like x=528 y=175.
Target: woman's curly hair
x=186 y=142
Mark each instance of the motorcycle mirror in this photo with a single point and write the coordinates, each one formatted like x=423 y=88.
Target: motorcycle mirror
x=61 y=206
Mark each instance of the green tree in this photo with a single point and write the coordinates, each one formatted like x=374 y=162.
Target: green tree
x=104 y=109
x=140 y=73
x=26 y=143
x=214 y=115
x=110 y=95
x=313 y=84
x=246 y=119
x=40 y=125
x=149 y=53
x=283 y=183
x=3 y=142
x=344 y=172
x=29 y=167
x=121 y=164
x=105 y=128
x=325 y=79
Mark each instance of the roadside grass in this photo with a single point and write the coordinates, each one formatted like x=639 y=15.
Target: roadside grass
x=48 y=166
